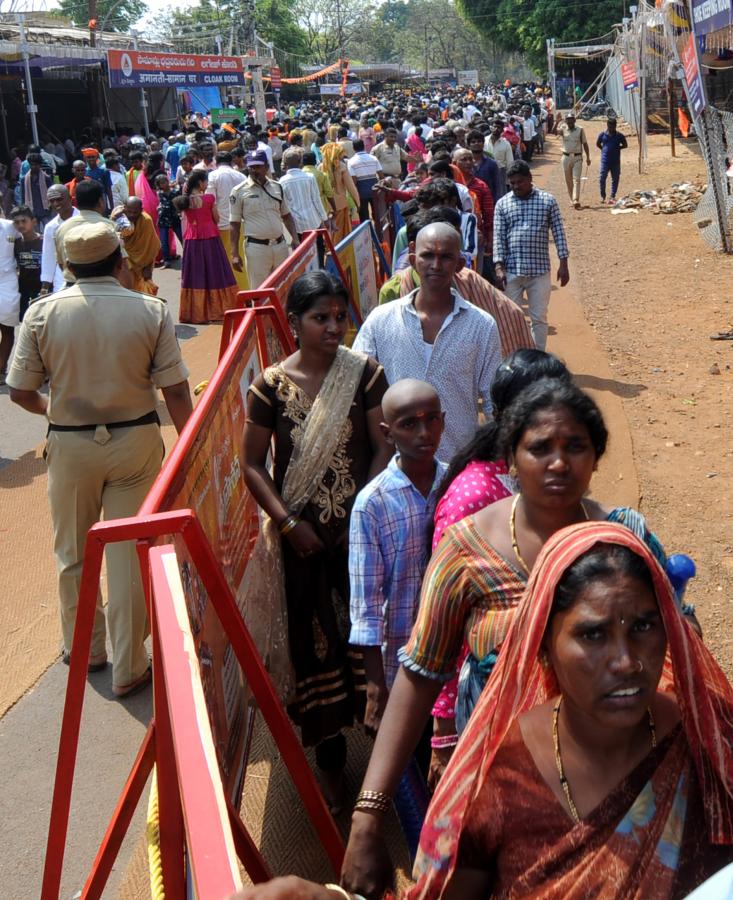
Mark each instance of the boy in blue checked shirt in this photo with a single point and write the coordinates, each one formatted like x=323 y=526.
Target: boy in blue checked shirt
x=388 y=543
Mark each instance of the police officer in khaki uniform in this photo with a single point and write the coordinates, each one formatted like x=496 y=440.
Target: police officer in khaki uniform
x=260 y=206
x=105 y=349
x=574 y=142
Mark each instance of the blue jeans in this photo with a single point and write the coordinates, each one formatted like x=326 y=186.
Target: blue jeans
x=615 y=169
x=165 y=231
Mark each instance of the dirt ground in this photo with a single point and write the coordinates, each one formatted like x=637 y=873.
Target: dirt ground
x=653 y=292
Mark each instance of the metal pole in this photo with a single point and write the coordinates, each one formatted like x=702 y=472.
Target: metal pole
x=642 y=94
x=572 y=101
x=4 y=116
x=143 y=100
x=340 y=29
x=427 y=68
x=670 y=110
x=32 y=108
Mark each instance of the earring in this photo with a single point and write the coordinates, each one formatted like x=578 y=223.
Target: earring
x=513 y=470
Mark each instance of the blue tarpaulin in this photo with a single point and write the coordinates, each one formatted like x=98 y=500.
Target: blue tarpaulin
x=201 y=99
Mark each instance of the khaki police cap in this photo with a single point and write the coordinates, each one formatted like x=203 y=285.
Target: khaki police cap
x=90 y=243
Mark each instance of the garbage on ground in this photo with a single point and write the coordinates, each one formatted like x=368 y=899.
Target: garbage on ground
x=681 y=197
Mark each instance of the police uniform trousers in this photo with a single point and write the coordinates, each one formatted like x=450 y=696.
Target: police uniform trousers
x=90 y=472
x=572 y=165
x=262 y=259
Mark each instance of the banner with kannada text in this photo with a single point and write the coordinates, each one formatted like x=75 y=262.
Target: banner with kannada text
x=138 y=68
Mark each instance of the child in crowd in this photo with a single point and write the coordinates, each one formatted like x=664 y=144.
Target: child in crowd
x=388 y=537
x=184 y=170
x=28 y=252
x=169 y=219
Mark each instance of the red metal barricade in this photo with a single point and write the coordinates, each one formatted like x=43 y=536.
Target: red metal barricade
x=204 y=544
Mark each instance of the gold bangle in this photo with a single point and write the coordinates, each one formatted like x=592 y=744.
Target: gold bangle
x=288 y=524
x=374 y=795
x=374 y=801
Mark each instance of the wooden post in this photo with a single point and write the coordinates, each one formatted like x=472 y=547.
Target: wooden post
x=671 y=111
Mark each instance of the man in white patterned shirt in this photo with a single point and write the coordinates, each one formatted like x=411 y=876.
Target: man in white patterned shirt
x=435 y=335
x=302 y=194
x=222 y=182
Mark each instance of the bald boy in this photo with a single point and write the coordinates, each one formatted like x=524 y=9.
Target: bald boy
x=388 y=537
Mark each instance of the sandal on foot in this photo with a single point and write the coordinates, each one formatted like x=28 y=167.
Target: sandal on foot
x=134 y=687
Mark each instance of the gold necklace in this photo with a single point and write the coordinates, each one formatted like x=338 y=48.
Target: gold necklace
x=558 y=757
x=513 y=530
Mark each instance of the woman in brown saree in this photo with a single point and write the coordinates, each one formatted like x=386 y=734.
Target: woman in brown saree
x=322 y=405
x=599 y=759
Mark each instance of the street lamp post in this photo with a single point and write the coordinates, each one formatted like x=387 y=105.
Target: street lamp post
x=32 y=108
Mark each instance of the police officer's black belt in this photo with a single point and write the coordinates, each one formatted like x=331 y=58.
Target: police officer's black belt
x=265 y=241
x=148 y=419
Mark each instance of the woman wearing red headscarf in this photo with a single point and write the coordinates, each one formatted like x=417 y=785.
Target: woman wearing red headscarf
x=599 y=759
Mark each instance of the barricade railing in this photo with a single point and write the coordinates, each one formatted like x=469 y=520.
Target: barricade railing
x=213 y=544
x=159 y=745
x=274 y=291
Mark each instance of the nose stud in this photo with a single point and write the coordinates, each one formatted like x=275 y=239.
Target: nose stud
x=639 y=665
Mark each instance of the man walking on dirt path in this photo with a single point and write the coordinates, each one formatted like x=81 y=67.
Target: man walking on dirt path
x=522 y=223
x=574 y=142
x=610 y=143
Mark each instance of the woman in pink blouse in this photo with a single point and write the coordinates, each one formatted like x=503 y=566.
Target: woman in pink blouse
x=475 y=479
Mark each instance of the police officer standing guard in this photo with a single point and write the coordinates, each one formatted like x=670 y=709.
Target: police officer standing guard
x=105 y=349
x=260 y=206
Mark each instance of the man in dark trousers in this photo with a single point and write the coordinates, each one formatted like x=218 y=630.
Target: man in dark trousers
x=610 y=142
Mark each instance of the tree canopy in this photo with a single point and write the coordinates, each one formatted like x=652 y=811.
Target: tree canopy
x=115 y=16
x=525 y=25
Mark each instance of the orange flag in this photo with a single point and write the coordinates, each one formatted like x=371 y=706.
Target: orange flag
x=683 y=123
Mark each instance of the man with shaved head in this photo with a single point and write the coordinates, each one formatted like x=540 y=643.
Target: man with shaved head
x=435 y=335
x=388 y=538
x=141 y=243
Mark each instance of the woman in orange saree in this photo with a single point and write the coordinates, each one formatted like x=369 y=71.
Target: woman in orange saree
x=598 y=761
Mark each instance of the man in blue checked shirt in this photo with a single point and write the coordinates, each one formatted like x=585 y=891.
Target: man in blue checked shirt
x=523 y=220
x=388 y=537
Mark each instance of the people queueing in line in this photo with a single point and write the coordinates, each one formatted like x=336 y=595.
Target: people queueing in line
x=425 y=545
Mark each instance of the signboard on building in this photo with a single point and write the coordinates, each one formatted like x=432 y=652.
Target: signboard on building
x=467 y=76
x=138 y=68
x=629 y=76
x=710 y=15
x=219 y=114
x=693 y=78
x=276 y=78
x=353 y=87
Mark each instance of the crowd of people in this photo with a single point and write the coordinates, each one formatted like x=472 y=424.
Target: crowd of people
x=445 y=581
